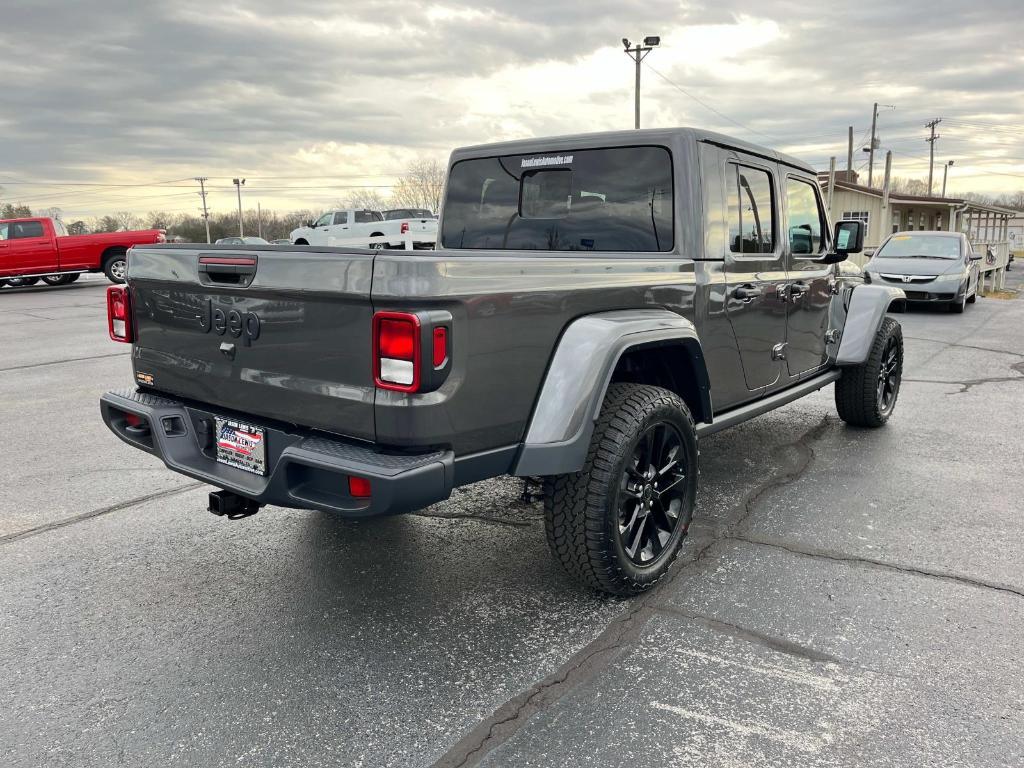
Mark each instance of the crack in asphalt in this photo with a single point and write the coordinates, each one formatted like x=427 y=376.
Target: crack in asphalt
x=965 y=386
x=839 y=557
x=759 y=638
x=80 y=518
x=489 y=519
x=599 y=653
x=965 y=346
x=64 y=360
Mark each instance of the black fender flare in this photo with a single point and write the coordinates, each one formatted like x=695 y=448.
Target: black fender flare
x=868 y=305
x=578 y=377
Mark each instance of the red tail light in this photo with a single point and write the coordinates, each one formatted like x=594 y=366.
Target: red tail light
x=119 y=314
x=405 y=227
x=161 y=236
x=396 y=351
x=359 y=487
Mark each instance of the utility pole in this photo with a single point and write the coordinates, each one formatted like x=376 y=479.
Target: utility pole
x=832 y=182
x=206 y=214
x=238 y=183
x=871 y=146
x=638 y=53
x=931 y=150
x=886 y=182
x=849 y=157
x=874 y=141
x=259 y=219
x=945 y=174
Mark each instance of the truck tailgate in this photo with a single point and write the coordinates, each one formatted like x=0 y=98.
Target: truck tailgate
x=274 y=332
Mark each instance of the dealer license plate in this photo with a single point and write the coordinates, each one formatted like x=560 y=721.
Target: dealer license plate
x=241 y=445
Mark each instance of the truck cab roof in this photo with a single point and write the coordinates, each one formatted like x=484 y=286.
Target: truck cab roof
x=659 y=136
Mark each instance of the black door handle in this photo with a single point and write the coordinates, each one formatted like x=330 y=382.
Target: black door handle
x=747 y=292
x=798 y=289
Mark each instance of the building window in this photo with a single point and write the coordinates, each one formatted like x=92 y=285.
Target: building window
x=862 y=216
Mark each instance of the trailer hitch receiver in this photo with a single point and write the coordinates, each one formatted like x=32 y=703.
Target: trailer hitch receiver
x=232 y=506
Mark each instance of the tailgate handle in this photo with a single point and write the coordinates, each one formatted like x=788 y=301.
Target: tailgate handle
x=227 y=270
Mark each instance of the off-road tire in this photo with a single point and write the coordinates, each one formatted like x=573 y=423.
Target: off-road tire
x=22 y=282
x=111 y=269
x=957 y=306
x=857 y=398
x=973 y=297
x=581 y=511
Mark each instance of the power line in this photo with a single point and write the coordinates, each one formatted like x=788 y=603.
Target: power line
x=706 y=105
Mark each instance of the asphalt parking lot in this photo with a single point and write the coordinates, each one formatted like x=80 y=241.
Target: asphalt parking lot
x=846 y=597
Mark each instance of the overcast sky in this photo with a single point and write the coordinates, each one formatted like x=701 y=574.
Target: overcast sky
x=308 y=98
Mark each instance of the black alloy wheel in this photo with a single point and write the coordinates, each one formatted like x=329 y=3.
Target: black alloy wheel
x=652 y=494
x=889 y=375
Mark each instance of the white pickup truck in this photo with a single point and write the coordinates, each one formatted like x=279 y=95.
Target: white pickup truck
x=363 y=228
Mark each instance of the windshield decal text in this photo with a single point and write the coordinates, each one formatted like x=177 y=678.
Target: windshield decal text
x=539 y=162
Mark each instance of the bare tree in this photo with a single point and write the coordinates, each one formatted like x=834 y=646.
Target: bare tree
x=106 y=224
x=363 y=199
x=52 y=213
x=78 y=228
x=421 y=187
x=14 y=211
x=126 y=221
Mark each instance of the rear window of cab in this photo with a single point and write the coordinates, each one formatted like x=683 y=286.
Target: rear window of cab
x=614 y=199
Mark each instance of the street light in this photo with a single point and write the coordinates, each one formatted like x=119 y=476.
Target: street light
x=638 y=53
x=945 y=174
x=238 y=184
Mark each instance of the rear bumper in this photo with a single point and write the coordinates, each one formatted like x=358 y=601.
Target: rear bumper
x=304 y=470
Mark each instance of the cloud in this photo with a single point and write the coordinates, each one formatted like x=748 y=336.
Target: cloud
x=117 y=91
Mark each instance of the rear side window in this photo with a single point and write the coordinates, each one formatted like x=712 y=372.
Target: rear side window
x=751 y=210
x=3 y=231
x=21 y=229
x=365 y=217
x=616 y=199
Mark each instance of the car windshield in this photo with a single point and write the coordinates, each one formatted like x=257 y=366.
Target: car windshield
x=920 y=247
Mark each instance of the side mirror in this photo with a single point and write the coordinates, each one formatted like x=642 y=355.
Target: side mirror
x=869 y=252
x=849 y=238
x=975 y=257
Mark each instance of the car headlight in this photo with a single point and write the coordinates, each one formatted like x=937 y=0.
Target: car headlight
x=955 y=277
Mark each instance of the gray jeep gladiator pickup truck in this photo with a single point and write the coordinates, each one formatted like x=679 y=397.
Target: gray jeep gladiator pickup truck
x=597 y=304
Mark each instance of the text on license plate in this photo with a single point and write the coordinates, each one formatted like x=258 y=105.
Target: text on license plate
x=241 y=445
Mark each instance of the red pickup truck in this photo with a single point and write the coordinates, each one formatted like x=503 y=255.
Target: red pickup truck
x=36 y=248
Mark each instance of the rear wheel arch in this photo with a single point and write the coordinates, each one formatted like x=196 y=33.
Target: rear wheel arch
x=677 y=365
x=651 y=347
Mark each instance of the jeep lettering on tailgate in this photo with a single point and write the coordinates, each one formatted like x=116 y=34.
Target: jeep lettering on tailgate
x=222 y=321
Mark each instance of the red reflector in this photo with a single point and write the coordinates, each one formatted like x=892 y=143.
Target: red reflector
x=359 y=487
x=440 y=346
x=119 y=313
x=396 y=339
x=132 y=420
x=405 y=227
